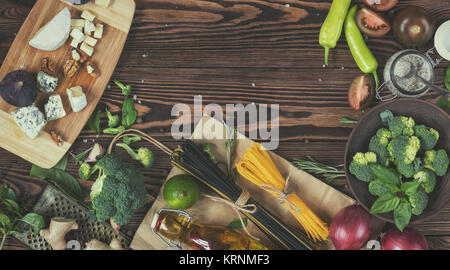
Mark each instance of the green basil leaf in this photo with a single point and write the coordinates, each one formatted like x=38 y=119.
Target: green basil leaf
x=444 y=103
x=12 y=207
x=237 y=224
x=66 y=183
x=410 y=188
x=35 y=221
x=385 y=174
x=447 y=78
x=38 y=172
x=94 y=121
x=402 y=215
x=62 y=164
x=4 y=220
x=129 y=113
x=385 y=203
x=8 y=193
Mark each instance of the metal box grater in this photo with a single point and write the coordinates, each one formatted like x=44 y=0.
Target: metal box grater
x=54 y=203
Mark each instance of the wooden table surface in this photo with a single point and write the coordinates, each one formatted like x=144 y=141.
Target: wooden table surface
x=230 y=52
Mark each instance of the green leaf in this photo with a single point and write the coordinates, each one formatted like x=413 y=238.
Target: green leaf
x=444 y=103
x=66 y=183
x=8 y=193
x=385 y=174
x=38 y=172
x=94 y=121
x=129 y=113
x=347 y=121
x=402 y=215
x=81 y=156
x=207 y=148
x=62 y=164
x=35 y=221
x=4 y=220
x=409 y=188
x=12 y=207
x=447 y=78
x=237 y=224
x=385 y=203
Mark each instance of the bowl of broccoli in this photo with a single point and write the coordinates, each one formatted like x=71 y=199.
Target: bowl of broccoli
x=397 y=162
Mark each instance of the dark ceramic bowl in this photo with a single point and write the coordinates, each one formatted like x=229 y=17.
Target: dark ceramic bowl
x=423 y=113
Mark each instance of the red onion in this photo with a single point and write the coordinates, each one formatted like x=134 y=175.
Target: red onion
x=409 y=239
x=351 y=228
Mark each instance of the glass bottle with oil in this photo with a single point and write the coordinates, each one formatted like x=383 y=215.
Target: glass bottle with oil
x=176 y=228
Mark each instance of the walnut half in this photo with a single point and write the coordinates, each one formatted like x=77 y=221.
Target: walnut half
x=48 y=67
x=71 y=68
x=92 y=69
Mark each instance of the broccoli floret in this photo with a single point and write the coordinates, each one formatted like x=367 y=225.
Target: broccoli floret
x=359 y=166
x=129 y=140
x=144 y=155
x=379 y=188
x=401 y=125
x=404 y=148
x=118 y=191
x=86 y=171
x=419 y=201
x=386 y=117
x=113 y=120
x=437 y=161
x=427 y=180
x=428 y=137
x=378 y=144
x=408 y=170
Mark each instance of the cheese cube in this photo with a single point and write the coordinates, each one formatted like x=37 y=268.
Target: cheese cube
x=77 y=22
x=77 y=34
x=77 y=98
x=102 y=3
x=54 y=109
x=87 y=49
x=89 y=27
x=98 y=31
x=75 y=55
x=87 y=15
x=74 y=43
x=90 y=40
x=30 y=120
x=46 y=83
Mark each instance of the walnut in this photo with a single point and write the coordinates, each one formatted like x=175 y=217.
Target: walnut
x=48 y=66
x=56 y=138
x=71 y=68
x=92 y=69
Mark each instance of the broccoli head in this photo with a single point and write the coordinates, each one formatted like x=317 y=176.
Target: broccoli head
x=418 y=201
x=404 y=148
x=401 y=125
x=359 y=166
x=118 y=191
x=379 y=188
x=428 y=137
x=144 y=155
x=437 y=161
x=427 y=180
x=378 y=144
x=408 y=170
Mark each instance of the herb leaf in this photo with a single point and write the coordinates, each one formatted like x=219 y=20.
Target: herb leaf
x=35 y=221
x=409 y=188
x=402 y=215
x=38 y=172
x=8 y=193
x=386 y=175
x=207 y=148
x=129 y=113
x=66 y=182
x=94 y=121
x=237 y=224
x=347 y=121
x=81 y=156
x=385 y=203
x=62 y=164
x=4 y=220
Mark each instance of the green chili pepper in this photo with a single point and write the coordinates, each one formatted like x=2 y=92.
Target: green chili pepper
x=361 y=53
x=332 y=26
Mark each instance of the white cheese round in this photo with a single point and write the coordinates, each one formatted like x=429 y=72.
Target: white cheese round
x=54 y=34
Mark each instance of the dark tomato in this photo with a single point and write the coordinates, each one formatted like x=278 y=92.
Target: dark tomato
x=413 y=26
x=361 y=92
x=371 y=23
x=381 y=5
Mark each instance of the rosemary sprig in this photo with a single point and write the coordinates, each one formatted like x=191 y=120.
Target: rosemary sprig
x=329 y=172
x=347 y=121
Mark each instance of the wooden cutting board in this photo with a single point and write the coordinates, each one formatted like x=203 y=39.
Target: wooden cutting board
x=42 y=151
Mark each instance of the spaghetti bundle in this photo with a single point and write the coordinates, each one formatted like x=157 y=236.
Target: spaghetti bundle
x=257 y=166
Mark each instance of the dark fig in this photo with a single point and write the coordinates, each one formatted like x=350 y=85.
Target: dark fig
x=19 y=88
x=361 y=92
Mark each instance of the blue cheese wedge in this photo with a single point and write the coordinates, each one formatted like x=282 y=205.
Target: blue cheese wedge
x=46 y=83
x=77 y=98
x=54 y=34
x=54 y=109
x=30 y=120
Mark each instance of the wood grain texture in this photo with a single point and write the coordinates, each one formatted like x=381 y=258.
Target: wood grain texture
x=231 y=51
x=41 y=150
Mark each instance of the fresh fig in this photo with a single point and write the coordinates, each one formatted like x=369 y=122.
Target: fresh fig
x=19 y=88
x=361 y=92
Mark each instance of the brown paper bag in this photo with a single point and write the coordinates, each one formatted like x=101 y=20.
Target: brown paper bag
x=324 y=200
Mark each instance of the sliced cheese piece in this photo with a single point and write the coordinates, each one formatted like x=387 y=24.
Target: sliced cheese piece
x=77 y=98
x=77 y=34
x=54 y=109
x=74 y=43
x=89 y=27
x=54 y=34
x=87 y=15
x=103 y=3
x=98 y=33
x=87 y=49
x=90 y=41
x=77 y=22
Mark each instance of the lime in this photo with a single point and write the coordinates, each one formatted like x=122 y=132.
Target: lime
x=181 y=192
